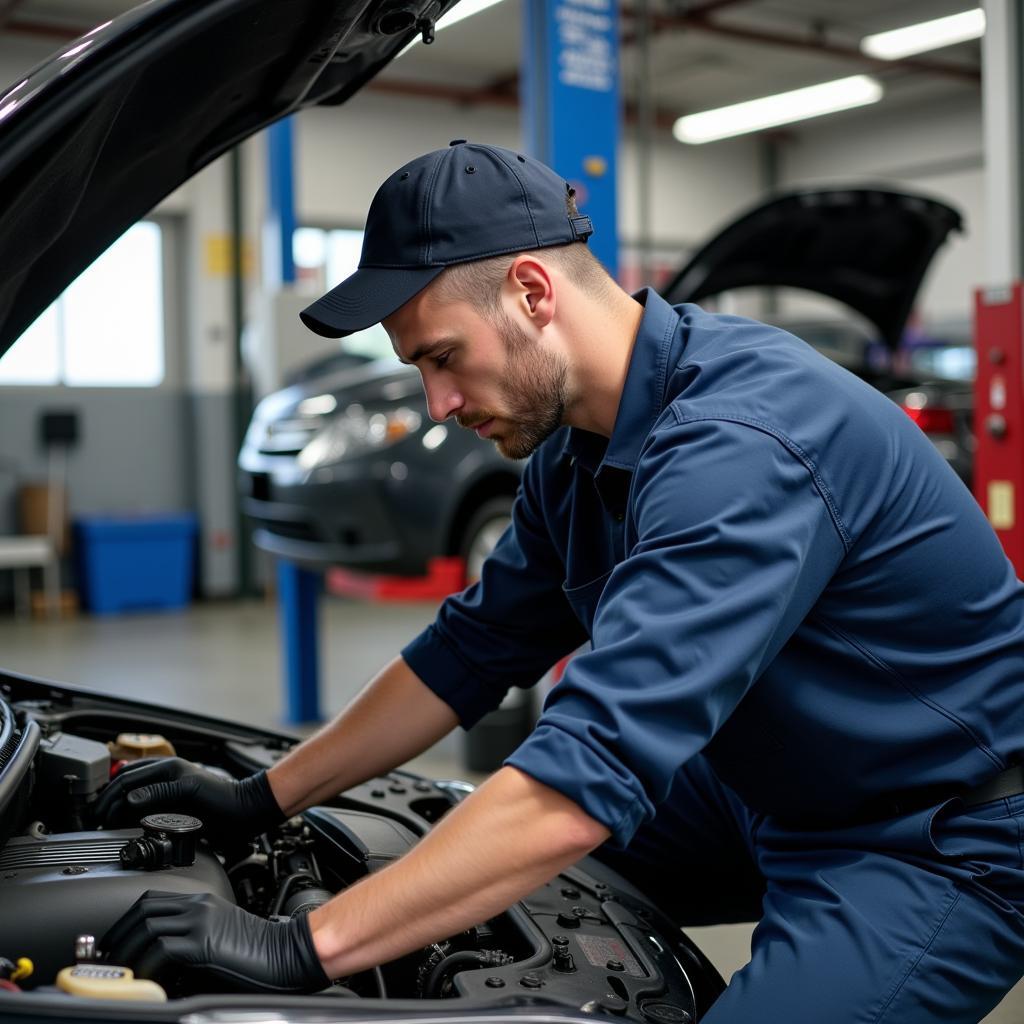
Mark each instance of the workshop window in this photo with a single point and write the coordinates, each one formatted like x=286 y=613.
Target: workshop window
x=322 y=259
x=106 y=329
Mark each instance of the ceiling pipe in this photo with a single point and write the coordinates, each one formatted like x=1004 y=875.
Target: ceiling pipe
x=62 y=33
x=7 y=8
x=461 y=95
x=810 y=44
x=702 y=10
x=470 y=97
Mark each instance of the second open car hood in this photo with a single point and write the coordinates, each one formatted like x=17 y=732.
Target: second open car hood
x=95 y=137
x=867 y=247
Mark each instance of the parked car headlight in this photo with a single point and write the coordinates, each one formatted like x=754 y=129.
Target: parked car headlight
x=358 y=431
x=318 y=405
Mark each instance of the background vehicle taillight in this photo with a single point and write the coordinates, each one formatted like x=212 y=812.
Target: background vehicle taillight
x=931 y=419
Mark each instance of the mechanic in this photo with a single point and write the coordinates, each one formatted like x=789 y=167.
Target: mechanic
x=802 y=702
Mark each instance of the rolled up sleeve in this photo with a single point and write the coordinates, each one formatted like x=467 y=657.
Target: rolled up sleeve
x=509 y=628
x=732 y=542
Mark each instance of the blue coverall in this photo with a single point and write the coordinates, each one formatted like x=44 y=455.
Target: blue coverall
x=805 y=641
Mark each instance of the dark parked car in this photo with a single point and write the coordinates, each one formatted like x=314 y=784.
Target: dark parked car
x=346 y=468
x=89 y=142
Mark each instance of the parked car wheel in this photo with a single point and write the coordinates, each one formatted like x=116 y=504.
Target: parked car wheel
x=482 y=532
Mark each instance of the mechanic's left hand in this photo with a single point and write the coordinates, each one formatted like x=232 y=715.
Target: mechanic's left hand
x=171 y=935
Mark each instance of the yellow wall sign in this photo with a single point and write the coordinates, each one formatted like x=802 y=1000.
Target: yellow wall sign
x=1001 y=504
x=217 y=256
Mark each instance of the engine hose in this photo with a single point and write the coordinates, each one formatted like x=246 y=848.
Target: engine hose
x=455 y=962
x=303 y=901
x=285 y=902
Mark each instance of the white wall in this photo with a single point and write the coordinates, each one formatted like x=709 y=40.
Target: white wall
x=344 y=153
x=694 y=190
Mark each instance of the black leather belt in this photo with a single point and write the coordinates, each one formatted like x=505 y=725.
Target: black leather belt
x=1006 y=783
x=1009 y=782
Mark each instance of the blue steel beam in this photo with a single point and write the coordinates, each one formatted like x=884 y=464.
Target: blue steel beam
x=298 y=589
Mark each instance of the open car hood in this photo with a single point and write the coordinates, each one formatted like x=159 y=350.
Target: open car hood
x=867 y=247
x=95 y=137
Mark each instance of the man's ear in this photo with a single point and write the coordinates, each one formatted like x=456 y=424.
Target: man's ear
x=533 y=289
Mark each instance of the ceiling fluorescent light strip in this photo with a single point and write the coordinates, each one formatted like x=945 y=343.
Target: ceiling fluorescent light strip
x=928 y=35
x=465 y=9
x=782 y=108
x=461 y=11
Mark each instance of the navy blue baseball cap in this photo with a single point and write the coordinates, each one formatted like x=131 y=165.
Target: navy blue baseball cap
x=454 y=205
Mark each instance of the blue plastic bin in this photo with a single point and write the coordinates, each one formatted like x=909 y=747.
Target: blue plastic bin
x=127 y=563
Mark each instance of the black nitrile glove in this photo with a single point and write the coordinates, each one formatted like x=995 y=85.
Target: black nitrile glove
x=200 y=937
x=228 y=808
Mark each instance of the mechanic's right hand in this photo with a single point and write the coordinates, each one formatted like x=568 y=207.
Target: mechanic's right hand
x=174 y=937
x=227 y=808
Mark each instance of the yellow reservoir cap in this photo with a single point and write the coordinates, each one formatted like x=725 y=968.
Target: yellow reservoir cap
x=130 y=746
x=105 y=981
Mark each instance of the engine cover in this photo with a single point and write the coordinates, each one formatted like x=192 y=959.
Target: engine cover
x=54 y=888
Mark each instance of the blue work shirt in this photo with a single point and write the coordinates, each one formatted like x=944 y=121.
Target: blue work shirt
x=775 y=568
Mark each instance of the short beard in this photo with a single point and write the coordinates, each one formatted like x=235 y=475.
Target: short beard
x=535 y=383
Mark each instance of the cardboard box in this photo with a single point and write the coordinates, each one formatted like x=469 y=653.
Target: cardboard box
x=34 y=509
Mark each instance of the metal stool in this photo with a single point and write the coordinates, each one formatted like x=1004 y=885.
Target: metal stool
x=20 y=554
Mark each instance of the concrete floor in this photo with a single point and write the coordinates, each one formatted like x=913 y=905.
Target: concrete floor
x=225 y=660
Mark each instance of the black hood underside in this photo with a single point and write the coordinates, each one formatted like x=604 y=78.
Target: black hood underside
x=866 y=247
x=95 y=137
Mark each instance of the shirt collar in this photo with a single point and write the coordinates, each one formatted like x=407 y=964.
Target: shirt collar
x=643 y=393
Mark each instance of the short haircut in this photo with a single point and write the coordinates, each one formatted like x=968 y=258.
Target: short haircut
x=479 y=282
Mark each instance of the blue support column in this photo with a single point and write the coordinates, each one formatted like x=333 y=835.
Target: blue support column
x=298 y=594
x=278 y=260
x=570 y=90
x=298 y=588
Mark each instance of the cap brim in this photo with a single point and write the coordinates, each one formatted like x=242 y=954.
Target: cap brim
x=365 y=298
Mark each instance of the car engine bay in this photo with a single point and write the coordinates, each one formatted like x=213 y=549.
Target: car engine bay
x=587 y=940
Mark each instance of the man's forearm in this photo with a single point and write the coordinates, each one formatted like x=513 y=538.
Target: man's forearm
x=509 y=837
x=396 y=717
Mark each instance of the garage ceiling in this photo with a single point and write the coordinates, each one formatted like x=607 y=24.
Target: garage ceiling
x=702 y=54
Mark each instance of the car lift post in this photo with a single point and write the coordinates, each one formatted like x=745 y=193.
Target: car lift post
x=298 y=596
x=571 y=116
x=298 y=588
x=999 y=311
